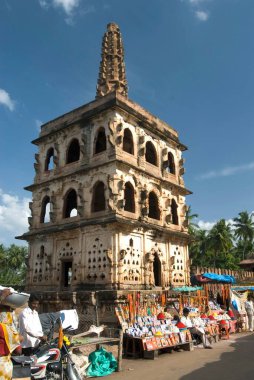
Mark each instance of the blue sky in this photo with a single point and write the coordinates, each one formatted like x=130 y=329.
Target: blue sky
x=190 y=62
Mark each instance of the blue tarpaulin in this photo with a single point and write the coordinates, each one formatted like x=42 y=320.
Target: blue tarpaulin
x=220 y=278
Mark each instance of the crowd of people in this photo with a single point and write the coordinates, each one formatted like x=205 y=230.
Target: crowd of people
x=21 y=336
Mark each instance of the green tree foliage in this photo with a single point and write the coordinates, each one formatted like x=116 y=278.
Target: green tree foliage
x=219 y=242
x=224 y=245
x=244 y=233
x=190 y=218
x=12 y=265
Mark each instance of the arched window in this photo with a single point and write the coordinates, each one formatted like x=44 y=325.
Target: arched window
x=151 y=155
x=174 y=212
x=128 y=141
x=98 y=199
x=45 y=210
x=100 y=142
x=129 y=198
x=49 y=162
x=154 y=211
x=171 y=164
x=73 y=152
x=70 y=204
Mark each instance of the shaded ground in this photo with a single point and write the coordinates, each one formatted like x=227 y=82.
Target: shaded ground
x=229 y=359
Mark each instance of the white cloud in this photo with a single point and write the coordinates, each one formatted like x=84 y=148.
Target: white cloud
x=38 y=124
x=201 y=15
x=196 y=2
x=44 y=4
x=231 y=170
x=67 y=5
x=14 y=213
x=6 y=100
x=205 y=225
x=209 y=225
x=196 y=6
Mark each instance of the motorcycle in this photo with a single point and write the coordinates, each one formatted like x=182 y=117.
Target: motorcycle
x=51 y=361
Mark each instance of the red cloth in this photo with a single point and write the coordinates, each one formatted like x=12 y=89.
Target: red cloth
x=180 y=325
x=4 y=351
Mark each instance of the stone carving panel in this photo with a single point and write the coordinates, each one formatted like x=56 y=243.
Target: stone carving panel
x=42 y=265
x=178 y=266
x=98 y=260
x=130 y=260
x=67 y=251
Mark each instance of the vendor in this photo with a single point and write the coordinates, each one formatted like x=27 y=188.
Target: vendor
x=30 y=326
x=9 y=337
x=196 y=327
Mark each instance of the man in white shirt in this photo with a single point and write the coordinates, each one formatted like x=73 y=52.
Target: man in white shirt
x=30 y=327
x=195 y=328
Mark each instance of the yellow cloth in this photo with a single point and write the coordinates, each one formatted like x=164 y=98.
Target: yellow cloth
x=6 y=368
x=11 y=337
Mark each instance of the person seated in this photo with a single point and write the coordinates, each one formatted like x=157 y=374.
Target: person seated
x=195 y=327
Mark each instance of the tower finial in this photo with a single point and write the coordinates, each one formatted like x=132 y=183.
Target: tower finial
x=112 y=75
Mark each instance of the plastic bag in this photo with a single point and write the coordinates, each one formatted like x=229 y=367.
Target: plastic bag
x=103 y=363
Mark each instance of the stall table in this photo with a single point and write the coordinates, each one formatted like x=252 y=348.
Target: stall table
x=137 y=347
x=98 y=341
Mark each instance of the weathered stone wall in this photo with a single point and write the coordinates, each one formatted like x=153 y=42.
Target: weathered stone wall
x=116 y=256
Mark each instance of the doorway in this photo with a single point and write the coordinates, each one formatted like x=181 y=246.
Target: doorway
x=66 y=274
x=157 y=270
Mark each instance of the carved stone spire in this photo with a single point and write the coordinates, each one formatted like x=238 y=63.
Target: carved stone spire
x=112 y=75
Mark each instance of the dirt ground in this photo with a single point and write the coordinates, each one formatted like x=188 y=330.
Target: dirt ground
x=229 y=359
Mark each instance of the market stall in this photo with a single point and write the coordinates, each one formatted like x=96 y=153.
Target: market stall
x=148 y=329
x=217 y=289
x=194 y=298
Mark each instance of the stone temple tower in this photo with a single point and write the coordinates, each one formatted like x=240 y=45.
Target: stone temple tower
x=108 y=199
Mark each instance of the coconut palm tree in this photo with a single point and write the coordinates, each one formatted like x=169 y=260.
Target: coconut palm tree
x=189 y=217
x=197 y=248
x=220 y=241
x=12 y=265
x=244 y=232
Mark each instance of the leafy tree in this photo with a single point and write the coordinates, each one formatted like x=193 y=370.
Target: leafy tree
x=244 y=233
x=197 y=248
x=225 y=245
x=220 y=242
x=192 y=226
x=12 y=265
